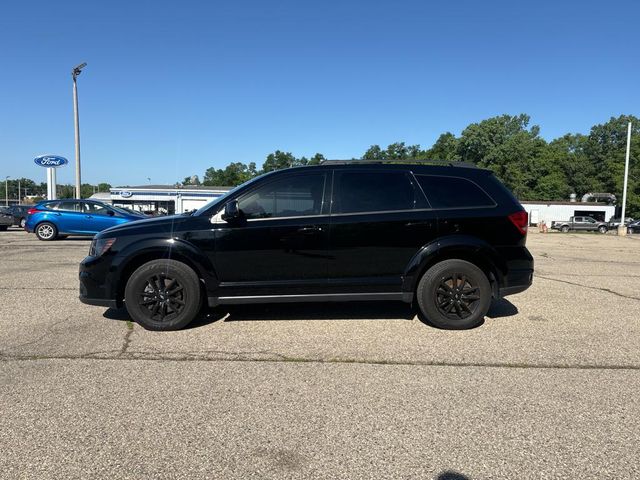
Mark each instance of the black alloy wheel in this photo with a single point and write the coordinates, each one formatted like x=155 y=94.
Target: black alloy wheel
x=454 y=294
x=456 y=297
x=163 y=295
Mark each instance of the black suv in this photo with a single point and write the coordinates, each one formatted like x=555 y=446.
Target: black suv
x=449 y=237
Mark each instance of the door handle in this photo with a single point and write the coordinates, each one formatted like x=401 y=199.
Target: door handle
x=418 y=224
x=310 y=230
x=88 y=216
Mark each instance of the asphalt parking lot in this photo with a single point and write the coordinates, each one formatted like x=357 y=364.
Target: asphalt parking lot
x=549 y=386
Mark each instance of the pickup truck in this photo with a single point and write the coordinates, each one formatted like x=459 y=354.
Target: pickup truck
x=581 y=224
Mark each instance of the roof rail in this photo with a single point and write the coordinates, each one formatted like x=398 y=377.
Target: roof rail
x=410 y=161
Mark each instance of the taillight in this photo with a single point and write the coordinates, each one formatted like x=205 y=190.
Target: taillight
x=31 y=211
x=520 y=220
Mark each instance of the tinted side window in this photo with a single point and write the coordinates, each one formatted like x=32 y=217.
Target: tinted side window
x=95 y=209
x=69 y=206
x=453 y=192
x=372 y=192
x=294 y=196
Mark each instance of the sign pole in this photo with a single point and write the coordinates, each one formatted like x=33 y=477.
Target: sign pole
x=622 y=228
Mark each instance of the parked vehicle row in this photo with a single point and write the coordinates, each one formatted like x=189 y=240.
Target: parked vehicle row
x=57 y=218
x=447 y=237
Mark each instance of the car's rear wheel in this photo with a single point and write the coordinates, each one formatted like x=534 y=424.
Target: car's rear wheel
x=564 y=229
x=4 y=228
x=602 y=229
x=454 y=294
x=23 y=222
x=630 y=230
x=46 y=231
x=163 y=295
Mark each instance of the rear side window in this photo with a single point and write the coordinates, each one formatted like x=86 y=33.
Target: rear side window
x=372 y=192
x=453 y=192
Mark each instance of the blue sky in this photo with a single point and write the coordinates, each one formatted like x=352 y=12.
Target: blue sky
x=172 y=88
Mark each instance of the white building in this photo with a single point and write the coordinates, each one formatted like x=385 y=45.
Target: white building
x=164 y=199
x=557 y=211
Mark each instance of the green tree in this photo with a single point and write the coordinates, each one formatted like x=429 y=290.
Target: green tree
x=279 y=160
x=232 y=175
x=374 y=152
x=104 y=187
x=317 y=159
x=445 y=148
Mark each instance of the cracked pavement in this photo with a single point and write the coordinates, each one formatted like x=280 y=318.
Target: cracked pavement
x=548 y=386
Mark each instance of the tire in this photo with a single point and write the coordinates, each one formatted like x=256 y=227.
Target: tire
x=46 y=231
x=564 y=229
x=4 y=228
x=22 y=222
x=149 y=300
x=602 y=229
x=630 y=230
x=442 y=298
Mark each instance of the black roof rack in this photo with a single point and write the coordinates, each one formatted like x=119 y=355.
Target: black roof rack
x=409 y=161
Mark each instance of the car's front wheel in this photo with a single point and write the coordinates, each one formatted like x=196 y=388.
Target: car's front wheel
x=564 y=229
x=602 y=229
x=454 y=294
x=46 y=231
x=163 y=295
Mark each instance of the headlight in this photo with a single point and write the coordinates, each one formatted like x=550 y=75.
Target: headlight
x=100 y=246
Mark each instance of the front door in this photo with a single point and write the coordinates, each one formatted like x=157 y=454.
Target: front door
x=279 y=246
x=379 y=221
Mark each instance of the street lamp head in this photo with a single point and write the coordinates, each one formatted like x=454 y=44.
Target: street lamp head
x=77 y=69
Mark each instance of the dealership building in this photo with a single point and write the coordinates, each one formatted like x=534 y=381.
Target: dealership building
x=162 y=199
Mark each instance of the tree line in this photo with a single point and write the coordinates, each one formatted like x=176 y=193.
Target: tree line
x=23 y=187
x=531 y=167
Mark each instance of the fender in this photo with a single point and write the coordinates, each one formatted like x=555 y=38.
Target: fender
x=454 y=246
x=166 y=248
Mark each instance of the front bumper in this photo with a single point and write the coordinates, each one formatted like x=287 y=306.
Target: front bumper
x=96 y=287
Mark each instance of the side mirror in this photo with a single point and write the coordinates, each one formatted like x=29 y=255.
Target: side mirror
x=231 y=211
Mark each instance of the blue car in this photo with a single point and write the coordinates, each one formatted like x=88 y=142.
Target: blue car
x=59 y=218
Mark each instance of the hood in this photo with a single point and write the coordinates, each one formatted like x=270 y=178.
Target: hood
x=160 y=224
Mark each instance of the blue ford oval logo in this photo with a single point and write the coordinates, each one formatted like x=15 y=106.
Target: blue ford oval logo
x=49 y=161
x=125 y=193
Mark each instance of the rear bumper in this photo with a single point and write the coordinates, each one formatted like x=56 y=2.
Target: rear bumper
x=518 y=275
x=516 y=281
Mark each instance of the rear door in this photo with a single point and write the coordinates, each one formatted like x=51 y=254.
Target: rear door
x=379 y=220
x=68 y=216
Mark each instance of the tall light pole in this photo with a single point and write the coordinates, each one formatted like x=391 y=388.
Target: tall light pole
x=74 y=73
x=6 y=191
x=18 y=191
x=622 y=228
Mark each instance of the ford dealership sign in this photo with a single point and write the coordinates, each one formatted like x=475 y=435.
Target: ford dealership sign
x=50 y=161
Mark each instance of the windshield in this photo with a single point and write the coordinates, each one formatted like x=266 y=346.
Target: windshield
x=222 y=199
x=126 y=211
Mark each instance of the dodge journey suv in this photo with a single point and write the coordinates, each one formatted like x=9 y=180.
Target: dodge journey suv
x=449 y=238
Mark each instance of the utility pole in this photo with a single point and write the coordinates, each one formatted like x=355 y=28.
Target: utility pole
x=19 y=196
x=74 y=73
x=622 y=228
x=6 y=191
